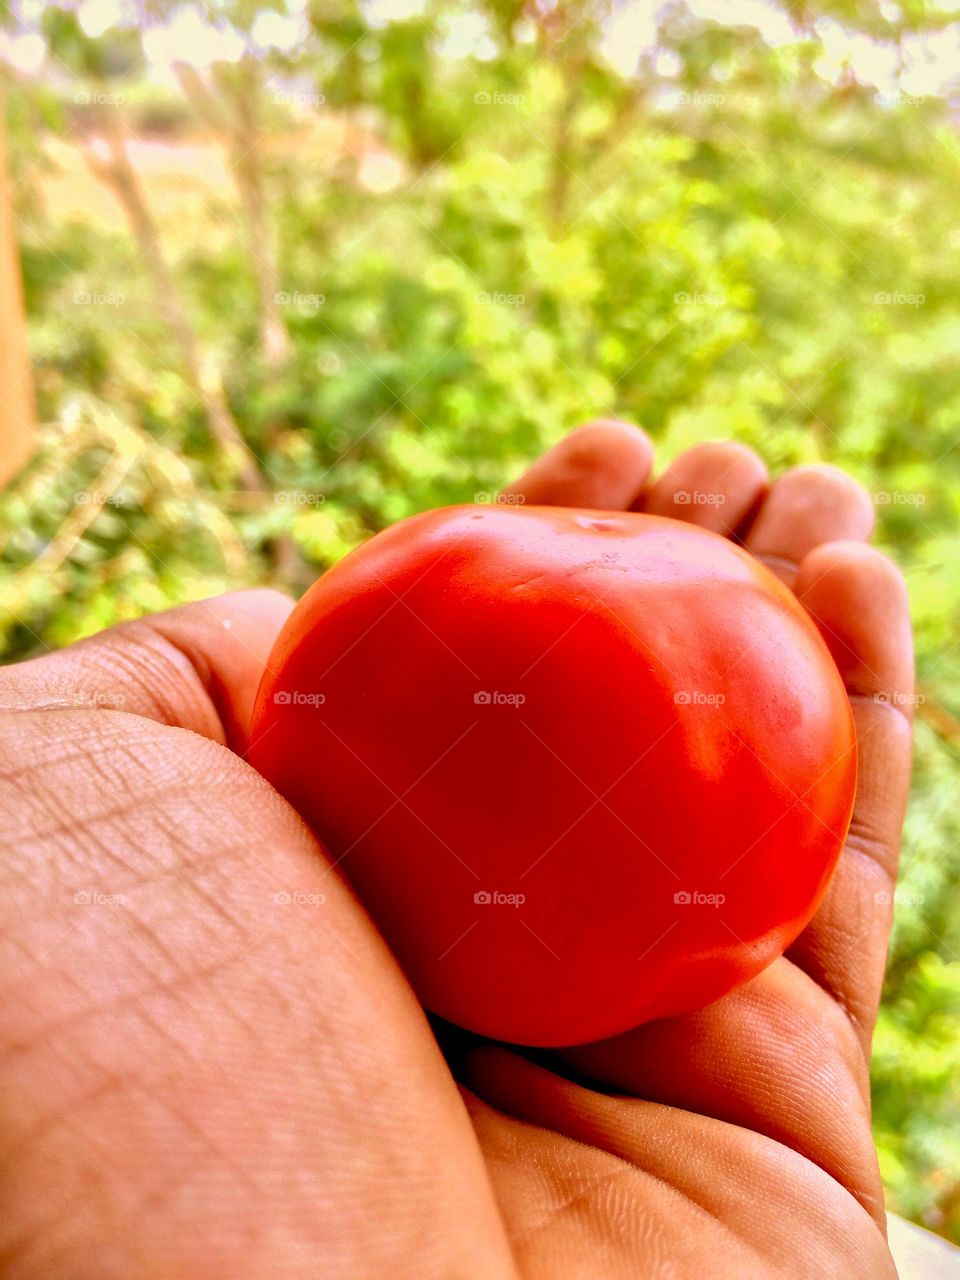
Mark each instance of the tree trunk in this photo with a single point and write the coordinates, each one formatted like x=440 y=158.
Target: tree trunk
x=237 y=122
x=120 y=174
x=17 y=426
x=248 y=175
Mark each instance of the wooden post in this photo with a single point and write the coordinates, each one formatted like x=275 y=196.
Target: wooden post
x=17 y=424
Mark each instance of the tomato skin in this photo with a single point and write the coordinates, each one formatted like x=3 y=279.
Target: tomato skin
x=668 y=799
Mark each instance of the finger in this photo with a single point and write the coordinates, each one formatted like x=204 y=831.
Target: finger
x=603 y=465
x=210 y=1062
x=805 y=507
x=859 y=601
x=197 y=666
x=680 y=1187
x=714 y=485
x=775 y=1057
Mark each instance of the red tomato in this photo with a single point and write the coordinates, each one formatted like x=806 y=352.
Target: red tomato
x=584 y=769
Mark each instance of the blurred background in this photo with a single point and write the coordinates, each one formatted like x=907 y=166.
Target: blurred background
x=293 y=270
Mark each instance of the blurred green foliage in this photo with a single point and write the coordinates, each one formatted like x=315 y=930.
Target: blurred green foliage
x=728 y=243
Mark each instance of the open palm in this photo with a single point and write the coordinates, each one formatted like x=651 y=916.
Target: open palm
x=211 y=1066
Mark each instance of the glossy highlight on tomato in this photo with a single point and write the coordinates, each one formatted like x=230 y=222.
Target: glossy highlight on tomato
x=584 y=768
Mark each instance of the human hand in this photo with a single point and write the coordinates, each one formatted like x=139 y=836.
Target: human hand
x=740 y=1145
x=207 y=1079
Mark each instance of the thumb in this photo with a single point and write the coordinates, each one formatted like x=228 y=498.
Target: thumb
x=197 y=667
